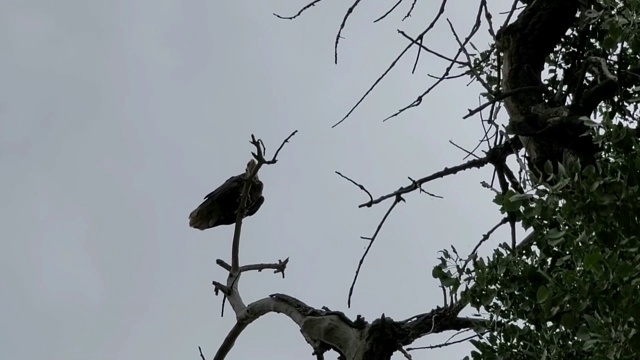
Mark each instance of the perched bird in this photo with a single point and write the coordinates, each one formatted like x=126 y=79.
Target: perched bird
x=221 y=205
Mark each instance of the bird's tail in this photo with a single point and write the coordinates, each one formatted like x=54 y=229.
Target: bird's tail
x=198 y=222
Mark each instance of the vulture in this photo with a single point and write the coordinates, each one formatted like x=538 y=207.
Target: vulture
x=221 y=205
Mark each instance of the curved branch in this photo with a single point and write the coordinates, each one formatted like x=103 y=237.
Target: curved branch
x=321 y=329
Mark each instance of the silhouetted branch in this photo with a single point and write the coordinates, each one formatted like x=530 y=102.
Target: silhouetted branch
x=344 y=22
x=230 y=290
x=413 y=5
x=415 y=185
x=388 y=11
x=495 y=155
x=447 y=343
x=356 y=184
x=394 y=62
x=485 y=237
x=279 y=267
x=503 y=95
x=468 y=56
x=418 y=100
x=431 y=51
x=371 y=240
x=305 y=8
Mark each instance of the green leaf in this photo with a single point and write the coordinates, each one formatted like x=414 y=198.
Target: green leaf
x=591 y=320
x=555 y=242
x=635 y=312
x=437 y=272
x=589 y=344
x=486 y=298
x=448 y=281
x=520 y=197
x=543 y=294
x=561 y=170
x=589 y=170
x=548 y=167
x=583 y=334
x=634 y=342
x=591 y=260
x=555 y=233
x=609 y=43
x=588 y=122
x=569 y=321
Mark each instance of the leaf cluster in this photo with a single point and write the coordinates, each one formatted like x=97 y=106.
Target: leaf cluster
x=575 y=292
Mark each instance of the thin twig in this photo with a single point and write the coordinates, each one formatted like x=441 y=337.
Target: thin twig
x=393 y=63
x=475 y=163
x=306 y=7
x=413 y=5
x=371 y=240
x=418 y=100
x=469 y=153
x=503 y=95
x=485 y=237
x=279 y=267
x=429 y=50
x=444 y=344
x=344 y=22
x=466 y=53
x=388 y=11
x=356 y=184
x=512 y=11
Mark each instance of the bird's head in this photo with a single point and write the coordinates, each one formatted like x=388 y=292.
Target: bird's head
x=250 y=166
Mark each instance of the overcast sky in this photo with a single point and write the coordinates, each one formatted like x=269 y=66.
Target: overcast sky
x=116 y=118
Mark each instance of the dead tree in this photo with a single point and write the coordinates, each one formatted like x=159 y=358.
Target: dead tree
x=548 y=118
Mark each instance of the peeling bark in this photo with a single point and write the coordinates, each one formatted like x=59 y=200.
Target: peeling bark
x=328 y=330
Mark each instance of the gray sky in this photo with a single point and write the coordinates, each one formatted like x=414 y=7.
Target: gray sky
x=116 y=118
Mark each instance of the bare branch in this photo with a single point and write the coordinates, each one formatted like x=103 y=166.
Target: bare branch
x=485 y=237
x=321 y=329
x=489 y=18
x=306 y=7
x=512 y=11
x=476 y=163
x=394 y=62
x=466 y=53
x=278 y=267
x=388 y=11
x=344 y=22
x=356 y=184
x=503 y=95
x=418 y=100
x=495 y=155
x=448 y=343
x=431 y=51
x=230 y=290
x=423 y=191
x=413 y=5
x=436 y=321
x=217 y=287
x=469 y=153
x=371 y=240
x=251 y=173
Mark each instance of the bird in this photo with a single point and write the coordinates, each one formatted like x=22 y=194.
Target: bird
x=220 y=206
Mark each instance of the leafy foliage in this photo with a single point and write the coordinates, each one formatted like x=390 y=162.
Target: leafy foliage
x=576 y=292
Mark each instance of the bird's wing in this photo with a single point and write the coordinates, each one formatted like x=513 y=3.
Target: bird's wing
x=228 y=185
x=253 y=208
